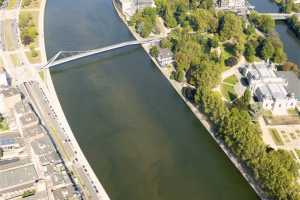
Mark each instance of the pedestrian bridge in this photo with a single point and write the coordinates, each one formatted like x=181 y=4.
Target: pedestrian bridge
x=281 y=16
x=67 y=56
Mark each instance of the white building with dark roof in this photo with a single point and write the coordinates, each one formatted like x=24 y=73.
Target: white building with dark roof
x=165 y=57
x=269 y=89
x=130 y=7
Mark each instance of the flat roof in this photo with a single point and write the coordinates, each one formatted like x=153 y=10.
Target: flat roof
x=28 y=118
x=63 y=193
x=293 y=82
x=11 y=91
x=22 y=108
x=34 y=131
x=42 y=145
x=17 y=176
x=13 y=163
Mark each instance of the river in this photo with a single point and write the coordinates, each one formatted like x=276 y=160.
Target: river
x=138 y=135
x=290 y=42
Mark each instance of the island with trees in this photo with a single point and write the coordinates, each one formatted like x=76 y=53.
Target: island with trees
x=205 y=43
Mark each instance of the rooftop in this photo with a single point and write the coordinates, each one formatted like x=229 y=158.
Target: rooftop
x=10 y=92
x=293 y=80
x=28 y=118
x=33 y=131
x=22 y=108
x=63 y=193
x=165 y=53
x=42 y=145
x=17 y=176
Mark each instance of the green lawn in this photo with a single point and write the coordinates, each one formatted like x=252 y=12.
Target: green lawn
x=298 y=152
x=228 y=92
x=15 y=59
x=33 y=60
x=3 y=126
x=276 y=137
x=32 y=3
x=11 y=4
x=231 y=80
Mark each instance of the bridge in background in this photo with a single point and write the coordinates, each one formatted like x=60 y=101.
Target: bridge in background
x=67 y=56
x=281 y=16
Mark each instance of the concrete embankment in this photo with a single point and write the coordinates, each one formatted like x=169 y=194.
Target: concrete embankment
x=49 y=89
x=201 y=117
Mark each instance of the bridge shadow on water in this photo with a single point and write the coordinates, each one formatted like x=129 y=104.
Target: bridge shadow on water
x=95 y=59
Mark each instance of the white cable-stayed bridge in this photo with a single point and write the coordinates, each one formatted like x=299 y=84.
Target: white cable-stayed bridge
x=62 y=57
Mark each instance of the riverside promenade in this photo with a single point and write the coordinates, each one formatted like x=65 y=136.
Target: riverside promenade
x=200 y=116
x=92 y=188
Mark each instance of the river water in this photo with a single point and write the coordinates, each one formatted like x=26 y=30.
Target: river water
x=290 y=42
x=138 y=135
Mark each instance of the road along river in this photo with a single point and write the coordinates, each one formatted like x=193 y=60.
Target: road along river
x=139 y=137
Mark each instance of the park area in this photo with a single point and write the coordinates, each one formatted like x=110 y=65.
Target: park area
x=228 y=88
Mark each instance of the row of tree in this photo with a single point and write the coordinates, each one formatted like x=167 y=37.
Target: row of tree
x=194 y=42
x=294 y=24
x=144 y=21
x=28 y=28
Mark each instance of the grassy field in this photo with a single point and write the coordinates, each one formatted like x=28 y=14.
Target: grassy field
x=11 y=4
x=276 y=137
x=33 y=60
x=10 y=42
x=31 y=3
x=231 y=80
x=34 y=15
x=15 y=58
x=3 y=126
x=228 y=92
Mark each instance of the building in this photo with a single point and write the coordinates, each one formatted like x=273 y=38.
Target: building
x=29 y=120
x=240 y=6
x=9 y=97
x=268 y=88
x=165 y=57
x=130 y=7
x=15 y=181
x=294 y=82
x=11 y=144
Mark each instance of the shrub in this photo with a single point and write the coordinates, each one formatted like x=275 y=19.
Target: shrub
x=231 y=61
x=154 y=51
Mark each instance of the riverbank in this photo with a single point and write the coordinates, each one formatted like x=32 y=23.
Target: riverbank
x=91 y=182
x=200 y=116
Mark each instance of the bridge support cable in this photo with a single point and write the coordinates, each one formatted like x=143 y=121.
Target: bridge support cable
x=67 y=56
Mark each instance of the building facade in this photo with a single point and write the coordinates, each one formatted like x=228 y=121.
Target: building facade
x=130 y=7
x=268 y=88
x=165 y=57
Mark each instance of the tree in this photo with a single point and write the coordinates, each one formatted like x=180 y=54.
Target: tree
x=249 y=52
x=33 y=52
x=244 y=101
x=267 y=50
x=180 y=75
x=1 y=153
x=204 y=21
x=154 y=51
x=165 y=43
x=231 y=61
x=213 y=42
x=230 y=26
x=170 y=19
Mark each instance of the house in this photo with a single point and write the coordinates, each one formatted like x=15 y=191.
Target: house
x=165 y=57
x=268 y=88
x=239 y=6
x=130 y=7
